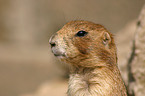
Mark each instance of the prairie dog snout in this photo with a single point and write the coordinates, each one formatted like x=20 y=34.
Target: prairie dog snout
x=56 y=46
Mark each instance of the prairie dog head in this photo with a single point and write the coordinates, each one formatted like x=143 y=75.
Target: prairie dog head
x=83 y=43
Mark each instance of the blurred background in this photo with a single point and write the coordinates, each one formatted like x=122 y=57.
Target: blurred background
x=26 y=61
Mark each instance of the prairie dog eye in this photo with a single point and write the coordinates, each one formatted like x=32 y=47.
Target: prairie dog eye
x=81 y=33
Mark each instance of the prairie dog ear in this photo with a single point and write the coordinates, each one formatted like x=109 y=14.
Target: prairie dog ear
x=106 y=38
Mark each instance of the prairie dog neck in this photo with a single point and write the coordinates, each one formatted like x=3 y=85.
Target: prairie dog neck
x=96 y=82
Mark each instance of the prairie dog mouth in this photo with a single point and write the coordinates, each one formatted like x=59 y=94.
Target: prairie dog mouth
x=59 y=54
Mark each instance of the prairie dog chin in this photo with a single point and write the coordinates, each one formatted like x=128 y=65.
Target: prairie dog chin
x=90 y=51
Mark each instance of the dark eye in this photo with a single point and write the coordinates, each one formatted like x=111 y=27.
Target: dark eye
x=81 y=33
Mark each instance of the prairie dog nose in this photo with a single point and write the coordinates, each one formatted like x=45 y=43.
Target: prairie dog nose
x=52 y=42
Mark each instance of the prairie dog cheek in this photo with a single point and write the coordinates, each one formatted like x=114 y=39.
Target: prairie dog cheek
x=71 y=51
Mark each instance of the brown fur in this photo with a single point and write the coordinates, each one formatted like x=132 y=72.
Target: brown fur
x=92 y=60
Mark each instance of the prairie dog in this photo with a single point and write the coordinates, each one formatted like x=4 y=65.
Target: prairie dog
x=90 y=52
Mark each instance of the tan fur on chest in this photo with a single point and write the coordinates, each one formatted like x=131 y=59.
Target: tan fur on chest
x=96 y=83
x=80 y=87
